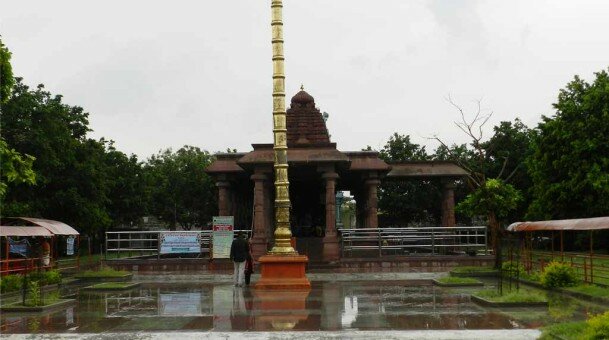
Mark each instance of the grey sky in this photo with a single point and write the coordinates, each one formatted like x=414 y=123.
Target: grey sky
x=156 y=74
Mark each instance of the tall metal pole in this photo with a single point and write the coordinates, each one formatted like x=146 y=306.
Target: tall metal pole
x=283 y=234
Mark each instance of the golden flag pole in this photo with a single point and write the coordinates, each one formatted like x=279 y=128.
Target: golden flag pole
x=283 y=234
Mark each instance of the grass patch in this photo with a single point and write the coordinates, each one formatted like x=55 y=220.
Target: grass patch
x=567 y=330
x=458 y=280
x=104 y=272
x=522 y=295
x=466 y=270
x=112 y=285
x=591 y=290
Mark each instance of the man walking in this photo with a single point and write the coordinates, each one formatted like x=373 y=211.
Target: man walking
x=239 y=250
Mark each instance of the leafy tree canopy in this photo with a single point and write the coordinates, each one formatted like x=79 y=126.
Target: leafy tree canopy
x=181 y=192
x=495 y=196
x=6 y=73
x=569 y=164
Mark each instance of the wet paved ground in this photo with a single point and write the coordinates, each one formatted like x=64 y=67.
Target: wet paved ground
x=390 y=305
x=513 y=334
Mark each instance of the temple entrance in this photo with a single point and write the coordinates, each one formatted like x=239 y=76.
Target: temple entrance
x=307 y=196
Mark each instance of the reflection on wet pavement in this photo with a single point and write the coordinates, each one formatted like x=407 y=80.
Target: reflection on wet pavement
x=362 y=305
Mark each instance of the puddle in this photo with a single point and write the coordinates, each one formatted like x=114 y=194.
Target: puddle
x=362 y=305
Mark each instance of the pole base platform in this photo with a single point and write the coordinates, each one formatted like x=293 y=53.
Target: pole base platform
x=280 y=272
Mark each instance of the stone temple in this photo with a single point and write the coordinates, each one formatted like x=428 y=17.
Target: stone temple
x=317 y=171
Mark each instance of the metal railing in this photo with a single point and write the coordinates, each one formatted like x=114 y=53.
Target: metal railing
x=589 y=268
x=424 y=240
x=131 y=244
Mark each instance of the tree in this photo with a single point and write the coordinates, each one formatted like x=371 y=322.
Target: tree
x=182 y=193
x=407 y=201
x=487 y=198
x=15 y=168
x=71 y=173
x=569 y=163
x=506 y=152
x=6 y=73
x=129 y=194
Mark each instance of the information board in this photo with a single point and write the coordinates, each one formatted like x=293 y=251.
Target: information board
x=177 y=242
x=70 y=245
x=222 y=236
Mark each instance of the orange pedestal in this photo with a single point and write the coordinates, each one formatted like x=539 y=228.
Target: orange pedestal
x=283 y=273
x=279 y=310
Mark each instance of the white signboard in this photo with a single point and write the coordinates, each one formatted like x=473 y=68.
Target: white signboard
x=177 y=242
x=70 y=245
x=180 y=304
x=222 y=236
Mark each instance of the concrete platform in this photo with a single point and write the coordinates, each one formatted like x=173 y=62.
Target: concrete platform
x=512 y=334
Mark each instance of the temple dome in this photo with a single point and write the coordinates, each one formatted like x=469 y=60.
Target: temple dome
x=302 y=98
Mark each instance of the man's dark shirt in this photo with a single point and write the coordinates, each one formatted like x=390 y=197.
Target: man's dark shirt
x=239 y=250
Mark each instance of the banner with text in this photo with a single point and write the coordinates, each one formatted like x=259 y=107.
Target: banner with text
x=222 y=236
x=177 y=242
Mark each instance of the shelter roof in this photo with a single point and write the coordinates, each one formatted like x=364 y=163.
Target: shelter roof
x=225 y=163
x=264 y=153
x=426 y=169
x=595 y=223
x=24 y=231
x=55 y=227
x=366 y=160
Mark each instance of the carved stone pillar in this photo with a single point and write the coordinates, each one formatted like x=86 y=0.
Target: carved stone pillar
x=448 y=203
x=372 y=203
x=360 y=210
x=223 y=198
x=259 y=230
x=331 y=250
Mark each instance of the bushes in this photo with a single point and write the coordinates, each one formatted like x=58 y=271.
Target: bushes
x=558 y=274
x=598 y=327
x=11 y=283
x=513 y=268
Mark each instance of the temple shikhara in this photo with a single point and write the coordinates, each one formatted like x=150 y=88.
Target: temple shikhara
x=318 y=170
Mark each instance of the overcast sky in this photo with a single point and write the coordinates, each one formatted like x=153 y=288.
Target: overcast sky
x=157 y=74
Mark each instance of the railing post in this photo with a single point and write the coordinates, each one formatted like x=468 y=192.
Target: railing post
x=106 y=249
x=485 y=240
x=158 y=245
x=380 y=243
x=433 y=242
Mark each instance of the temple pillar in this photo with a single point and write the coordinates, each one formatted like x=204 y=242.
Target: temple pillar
x=372 y=203
x=448 y=203
x=331 y=252
x=360 y=209
x=259 y=229
x=223 y=198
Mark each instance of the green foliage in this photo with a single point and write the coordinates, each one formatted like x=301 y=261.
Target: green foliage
x=567 y=330
x=457 y=280
x=103 y=272
x=11 y=283
x=6 y=73
x=569 y=164
x=495 y=196
x=513 y=268
x=14 y=168
x=48 y=277
x=521 y=295
x=401 y=202
x=181 y=192
x=112 y=285
x=468 y=270
x=558 y=274
x=506 y=154
x=591 y=290
x=598 y=327
x=33 y=294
